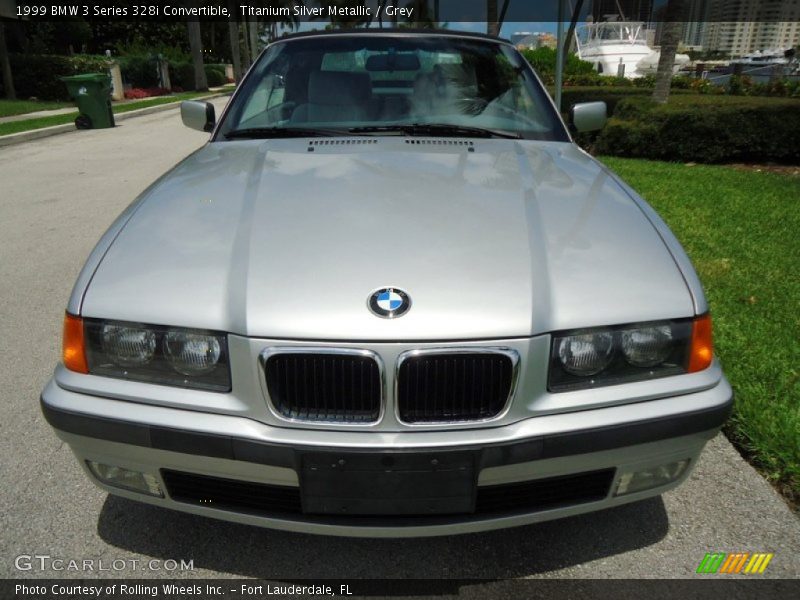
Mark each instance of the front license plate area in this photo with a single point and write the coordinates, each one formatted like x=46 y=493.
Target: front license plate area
x=387 y=484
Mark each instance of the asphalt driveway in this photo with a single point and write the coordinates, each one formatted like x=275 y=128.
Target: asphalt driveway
x=57 y=196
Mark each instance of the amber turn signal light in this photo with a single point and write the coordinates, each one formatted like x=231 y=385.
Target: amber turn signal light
x=701 y=351
x=73 y=348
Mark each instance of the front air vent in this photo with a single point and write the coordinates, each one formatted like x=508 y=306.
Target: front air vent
x=543 y=494
x=454 y=387
x=328 y=386
x=441 y=142
x=312 y=145
x=231 y=494
x=251 y=497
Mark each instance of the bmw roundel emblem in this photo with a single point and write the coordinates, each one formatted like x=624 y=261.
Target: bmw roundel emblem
x=389 y=302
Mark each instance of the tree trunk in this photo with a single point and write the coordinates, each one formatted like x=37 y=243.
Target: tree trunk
x=5 y=64
x=670 y=38
x=253 y=31
x=569 y=39
x=196 y=47
x=246 y=62
x=236 y=53
x=492 y=24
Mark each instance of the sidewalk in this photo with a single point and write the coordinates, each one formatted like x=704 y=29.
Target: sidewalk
x=38 y=114
x=41 y=132
x=73 y=109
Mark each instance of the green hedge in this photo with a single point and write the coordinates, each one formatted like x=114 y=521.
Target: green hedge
x=140 y=71
x=181 y=75
x=215 y=75
x=543 y=60
x=38 y=75
x=704 y=129
x=608 y=94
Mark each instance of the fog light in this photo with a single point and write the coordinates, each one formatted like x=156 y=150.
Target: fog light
x=126 y=479
x=637 y=481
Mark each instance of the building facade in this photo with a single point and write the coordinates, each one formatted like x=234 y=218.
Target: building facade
x=739 y=27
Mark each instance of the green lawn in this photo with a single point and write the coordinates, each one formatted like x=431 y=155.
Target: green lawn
x=38 y=123
x=10 y=108
x=742 y=231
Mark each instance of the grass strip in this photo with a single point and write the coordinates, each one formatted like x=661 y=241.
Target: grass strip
x=40 y=122
x=740 y=229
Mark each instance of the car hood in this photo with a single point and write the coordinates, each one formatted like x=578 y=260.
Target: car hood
x=288 y=238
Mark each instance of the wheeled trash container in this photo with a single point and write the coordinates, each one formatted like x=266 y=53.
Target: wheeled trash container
x=92 y=94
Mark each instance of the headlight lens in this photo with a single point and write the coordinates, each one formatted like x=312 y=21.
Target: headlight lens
x=647 y=346
x=587 y=354
x=191 y=353
x=154 y=354
x=128 y=346
x=612 y=355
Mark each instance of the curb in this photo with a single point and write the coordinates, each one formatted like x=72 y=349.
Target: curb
x=35 y=134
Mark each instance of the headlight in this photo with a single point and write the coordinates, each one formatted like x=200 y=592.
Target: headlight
x=612 y=355
x=586 y=354
x=165 y=355
x=647 y=346
x=128 y=345
x=191 y=353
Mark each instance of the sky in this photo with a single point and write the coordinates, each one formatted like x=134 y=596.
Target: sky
x=478 y=27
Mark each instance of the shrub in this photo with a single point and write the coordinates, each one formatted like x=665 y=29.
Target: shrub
x=609 y=94
x=140 y=71
x=543 y=60
x=181 y=75
x=215 y=75
x=704 y=129
x=38 y=75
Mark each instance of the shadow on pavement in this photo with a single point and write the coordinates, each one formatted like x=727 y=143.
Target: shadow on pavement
x=268 y=554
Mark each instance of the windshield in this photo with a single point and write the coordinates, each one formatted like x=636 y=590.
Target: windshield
x=392 y=85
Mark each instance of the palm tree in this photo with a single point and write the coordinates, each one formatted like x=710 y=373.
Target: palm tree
x=196 y=47
x=5 y=64
x=670 y=37
x=246 y=47
x=492 y=24
x=252 y=32
x=233 y=34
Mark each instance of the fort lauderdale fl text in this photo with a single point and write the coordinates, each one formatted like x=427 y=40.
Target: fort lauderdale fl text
x=171 y=590
x=299 y=10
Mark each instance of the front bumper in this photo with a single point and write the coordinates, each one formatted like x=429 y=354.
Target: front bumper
x=561 y=464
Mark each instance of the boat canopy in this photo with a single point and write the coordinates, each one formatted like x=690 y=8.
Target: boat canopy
x=611 y=32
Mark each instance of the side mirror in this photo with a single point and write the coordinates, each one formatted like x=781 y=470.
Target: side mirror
x=588 y=116
x=198 y=115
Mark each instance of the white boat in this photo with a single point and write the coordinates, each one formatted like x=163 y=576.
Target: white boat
x=767 y=58
x=609 y=44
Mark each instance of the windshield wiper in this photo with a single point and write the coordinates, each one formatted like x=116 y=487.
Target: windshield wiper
x=282 y=132
x=438 y=129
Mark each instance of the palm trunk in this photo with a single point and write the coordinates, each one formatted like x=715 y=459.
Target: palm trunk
x=670 y=37
x=236 y=52
x=569 y=39
x=5 y=64
x=196 y=47
x=253 y=32
x=246 y=47
x=492 y=24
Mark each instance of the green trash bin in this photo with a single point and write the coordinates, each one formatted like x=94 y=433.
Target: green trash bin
x=92 y=94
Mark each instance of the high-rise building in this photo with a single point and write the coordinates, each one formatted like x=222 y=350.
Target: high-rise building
x=738 y=27
x=696 y=25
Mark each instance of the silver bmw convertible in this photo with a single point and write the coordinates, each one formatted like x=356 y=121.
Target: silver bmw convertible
x=389 y=297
